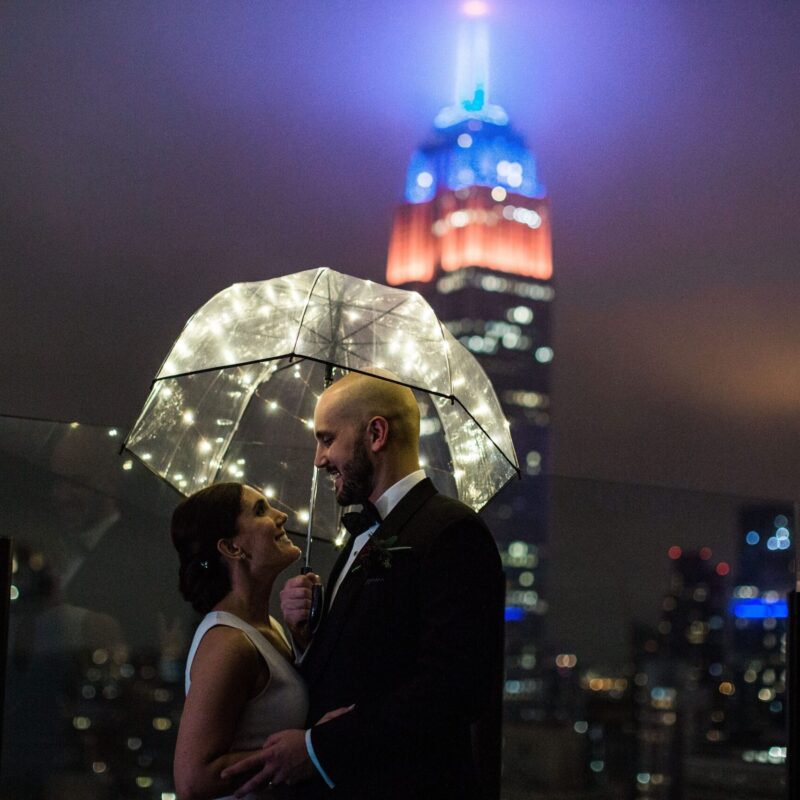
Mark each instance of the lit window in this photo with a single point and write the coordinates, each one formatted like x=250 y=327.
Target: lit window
x=518 y=549
x=520 y=314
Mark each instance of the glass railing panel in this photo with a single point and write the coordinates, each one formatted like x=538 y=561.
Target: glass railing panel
x=645 y=641
x=98 y=630
x=645 y=631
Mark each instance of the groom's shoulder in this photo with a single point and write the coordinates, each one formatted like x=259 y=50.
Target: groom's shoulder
x=441 y=516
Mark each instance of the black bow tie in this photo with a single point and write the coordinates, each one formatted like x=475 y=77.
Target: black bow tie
x=357 y=522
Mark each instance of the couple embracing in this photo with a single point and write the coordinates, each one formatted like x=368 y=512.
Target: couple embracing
x=381 y=702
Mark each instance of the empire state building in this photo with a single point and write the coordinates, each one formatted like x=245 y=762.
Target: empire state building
x=473 y=237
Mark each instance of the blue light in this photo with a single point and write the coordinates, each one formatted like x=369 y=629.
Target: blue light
x=752 y=537
x=758 y=608
x=420 y=191
x=514 y=614
x=497 y=156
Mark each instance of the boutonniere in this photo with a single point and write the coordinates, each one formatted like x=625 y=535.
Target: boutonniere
x=378 y=553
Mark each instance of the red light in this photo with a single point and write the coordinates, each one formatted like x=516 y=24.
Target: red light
x=723 y=568
x=483 y=237
x=674 y=552
x=705 y=553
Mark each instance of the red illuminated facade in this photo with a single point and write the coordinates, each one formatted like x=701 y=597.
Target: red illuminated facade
x=469 y=228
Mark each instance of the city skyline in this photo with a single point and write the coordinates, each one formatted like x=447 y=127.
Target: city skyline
x=153 y=157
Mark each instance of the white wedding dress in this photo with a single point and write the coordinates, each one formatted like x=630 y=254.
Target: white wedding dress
x=281 y=704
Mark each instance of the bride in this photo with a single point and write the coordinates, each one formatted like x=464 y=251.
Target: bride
x=241 y=685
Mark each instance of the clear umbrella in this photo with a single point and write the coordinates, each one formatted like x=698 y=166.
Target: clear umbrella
x=235 y=398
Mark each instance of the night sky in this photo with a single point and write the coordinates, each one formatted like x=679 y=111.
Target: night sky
x=153 y=153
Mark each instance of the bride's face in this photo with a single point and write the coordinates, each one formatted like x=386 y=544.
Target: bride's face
x=260 y=533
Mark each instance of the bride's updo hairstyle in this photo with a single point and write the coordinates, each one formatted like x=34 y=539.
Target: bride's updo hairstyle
x=198 y=523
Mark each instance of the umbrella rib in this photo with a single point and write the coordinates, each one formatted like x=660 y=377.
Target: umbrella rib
x=443 y=395
x=446 y=354
x=218 y=367
x=319 y=274
x=384 y=313
x=485 y=433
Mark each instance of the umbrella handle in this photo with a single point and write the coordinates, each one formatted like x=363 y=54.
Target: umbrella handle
x=317 y=603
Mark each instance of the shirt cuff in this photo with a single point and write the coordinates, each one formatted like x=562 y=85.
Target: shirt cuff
x=313 y=756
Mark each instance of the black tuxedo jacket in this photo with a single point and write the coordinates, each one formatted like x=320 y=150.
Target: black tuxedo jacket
x=413 y=639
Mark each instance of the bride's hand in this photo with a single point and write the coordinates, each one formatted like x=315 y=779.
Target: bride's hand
x=337 y=712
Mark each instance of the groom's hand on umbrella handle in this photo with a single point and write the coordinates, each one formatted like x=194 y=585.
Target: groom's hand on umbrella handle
x=317 y=602
x=296 y=597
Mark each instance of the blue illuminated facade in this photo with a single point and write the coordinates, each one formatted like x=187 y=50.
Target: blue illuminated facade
x=759 y=608
x=472 y=152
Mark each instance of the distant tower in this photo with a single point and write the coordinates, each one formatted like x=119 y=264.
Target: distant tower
x=682 y=686
x=764 y=575
x=473 y=237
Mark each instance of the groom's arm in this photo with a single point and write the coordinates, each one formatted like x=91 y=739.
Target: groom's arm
x=461 y=586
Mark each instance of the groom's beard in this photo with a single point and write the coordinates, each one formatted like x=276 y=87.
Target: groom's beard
x=357 y=477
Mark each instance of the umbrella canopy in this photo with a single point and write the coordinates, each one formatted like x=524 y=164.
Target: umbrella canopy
x=235 y=398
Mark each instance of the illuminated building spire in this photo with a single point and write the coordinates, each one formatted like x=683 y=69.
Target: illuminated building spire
x=472 y=72
x=472 y=194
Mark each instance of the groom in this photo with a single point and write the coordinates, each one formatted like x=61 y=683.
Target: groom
x=412 y=635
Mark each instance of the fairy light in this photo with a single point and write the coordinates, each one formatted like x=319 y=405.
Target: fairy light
x=340 y=538
x=188 y=417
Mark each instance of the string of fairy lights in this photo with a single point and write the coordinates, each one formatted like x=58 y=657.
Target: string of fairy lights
x=204 y=417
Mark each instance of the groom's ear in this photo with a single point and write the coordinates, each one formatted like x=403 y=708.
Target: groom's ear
x=377 y=433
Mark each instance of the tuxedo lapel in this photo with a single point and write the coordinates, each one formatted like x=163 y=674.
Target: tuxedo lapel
x=395 y=523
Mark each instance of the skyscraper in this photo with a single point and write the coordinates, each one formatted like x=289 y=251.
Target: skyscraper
x=473 y=237
x=765 y=573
